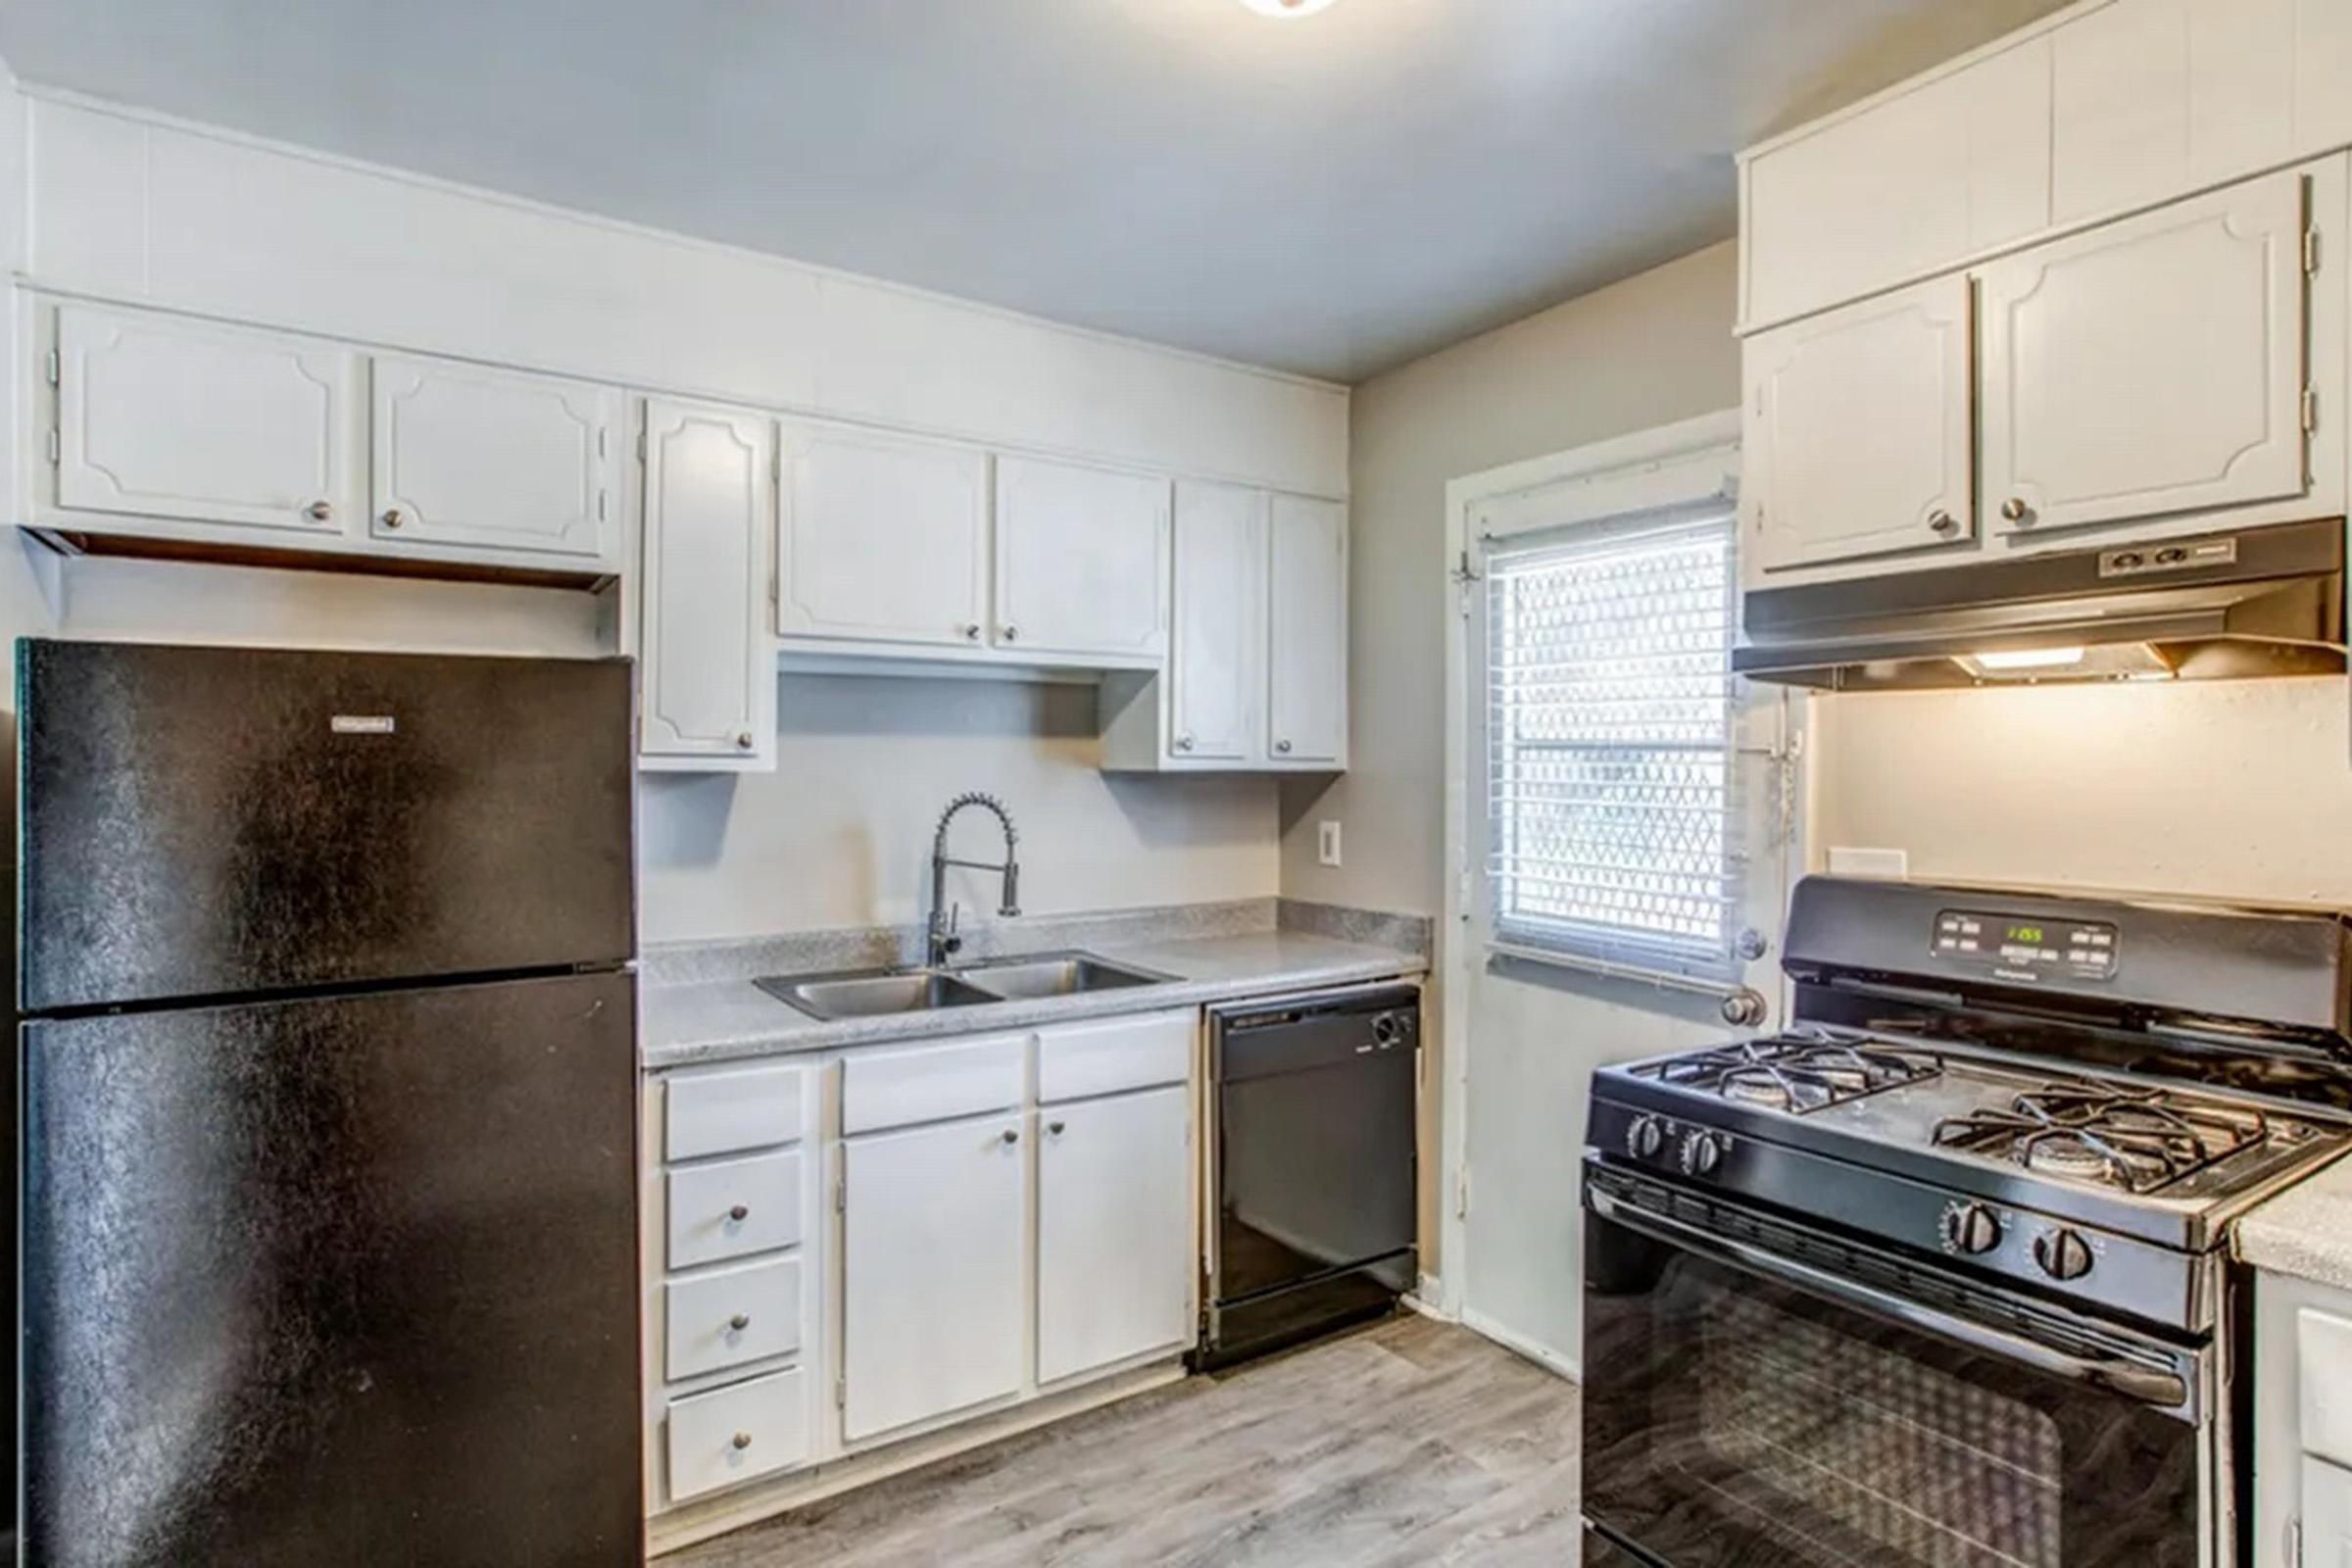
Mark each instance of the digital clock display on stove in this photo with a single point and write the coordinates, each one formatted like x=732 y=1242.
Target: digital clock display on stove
x=2025 y=949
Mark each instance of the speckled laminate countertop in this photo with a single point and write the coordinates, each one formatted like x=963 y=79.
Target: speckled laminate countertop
x=2305 y=1231
x=723 y=1020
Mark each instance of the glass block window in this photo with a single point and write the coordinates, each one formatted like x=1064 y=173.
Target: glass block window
x=1611 y=742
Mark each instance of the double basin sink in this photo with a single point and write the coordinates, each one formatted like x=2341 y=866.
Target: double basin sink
x=876 y=992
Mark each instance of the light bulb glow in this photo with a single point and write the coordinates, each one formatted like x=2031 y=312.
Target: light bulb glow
x=1286 y=10
x=2030 y=658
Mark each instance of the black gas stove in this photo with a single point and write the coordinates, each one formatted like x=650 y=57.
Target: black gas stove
x=1931 y=1275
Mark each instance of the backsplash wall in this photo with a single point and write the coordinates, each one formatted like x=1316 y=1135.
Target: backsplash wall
x=2236 y=789
x=840 y=834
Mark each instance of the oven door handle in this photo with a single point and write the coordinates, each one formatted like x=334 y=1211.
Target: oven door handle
x=2149 y=1385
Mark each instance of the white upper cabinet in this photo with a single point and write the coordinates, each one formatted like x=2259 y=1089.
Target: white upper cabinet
x=1307 y=633
x=1082 y=561
x=1858 y=437
x=1114 y=1212
x=1217 y=667
x=882 y=538
x=1961 y=163
x=497 y=460
x=706 y=661
x=934 y=1294
x=161 y=416
x=2153 y=366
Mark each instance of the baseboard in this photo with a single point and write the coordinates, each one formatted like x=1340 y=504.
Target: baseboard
x=1518 y=1344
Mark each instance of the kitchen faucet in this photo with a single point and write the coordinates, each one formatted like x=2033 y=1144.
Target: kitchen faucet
x=940 y=939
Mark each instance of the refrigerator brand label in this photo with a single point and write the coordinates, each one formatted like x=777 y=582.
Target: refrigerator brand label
x=361 y=724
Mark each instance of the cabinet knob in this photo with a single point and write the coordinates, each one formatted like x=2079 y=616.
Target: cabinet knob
x=1184 y=742
x=2015 y=509
x=743 y=1440
x=1283 y=746
x=971 y=632
x=740 y=1212
x=740 y=1321
x=320 y=512
x=1011 y=1136
x=392 y=518
x=743 y=741
x=1055 y=1128
x=1943 y=522
x=1010 y=633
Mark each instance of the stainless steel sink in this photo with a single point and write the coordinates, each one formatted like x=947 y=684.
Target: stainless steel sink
x=1053 y=974
x=874 y=993
x=869 y=993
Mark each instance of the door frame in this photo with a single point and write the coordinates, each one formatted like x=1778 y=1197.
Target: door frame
x=1691 y=461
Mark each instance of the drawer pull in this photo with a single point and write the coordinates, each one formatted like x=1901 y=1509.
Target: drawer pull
x=740 y=1321
x=1011 y=1136
x=740 y=1212
x=1055 y=1128
x=743 y=1440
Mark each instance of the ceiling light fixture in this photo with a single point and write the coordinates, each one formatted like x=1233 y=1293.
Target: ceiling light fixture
x=1286 y=10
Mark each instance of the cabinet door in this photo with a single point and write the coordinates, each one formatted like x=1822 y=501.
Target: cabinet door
x=1115 y=1230
x=710 y=512
x=932 y=1264
x=164 y=417
x=1857 y=430
x=494 y=459
x=882 y=538
x=1306 y=685
x=2327 y=1515
x=1217 y=667
x=1082 y=561
x=2149 y=366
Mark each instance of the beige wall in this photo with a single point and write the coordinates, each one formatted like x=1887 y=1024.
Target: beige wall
x=1648 y=351
x=2239 y=789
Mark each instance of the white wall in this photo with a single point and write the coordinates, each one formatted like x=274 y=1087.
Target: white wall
x=1652 y=350
x=2239 y=789
x=840 y=834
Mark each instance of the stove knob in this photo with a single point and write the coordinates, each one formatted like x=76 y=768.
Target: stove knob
x=1970 y=1229
x=1645 y=1138
x=1701 y=1153
x=2062 y=1255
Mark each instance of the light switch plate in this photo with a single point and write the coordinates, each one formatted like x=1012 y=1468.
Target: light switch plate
x=1327 y=843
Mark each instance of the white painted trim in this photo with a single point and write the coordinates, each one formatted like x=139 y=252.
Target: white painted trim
x=1542 y=1355
x=116 y=109
x=1646 y=449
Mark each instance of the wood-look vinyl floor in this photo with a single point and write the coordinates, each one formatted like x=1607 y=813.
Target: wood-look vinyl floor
x=1411 y=1441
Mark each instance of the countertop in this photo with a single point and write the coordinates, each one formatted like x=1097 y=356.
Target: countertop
x=2305 y=1231
x=725 y=1020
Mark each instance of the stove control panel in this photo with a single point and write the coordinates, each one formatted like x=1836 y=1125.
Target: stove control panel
x=1694 y=1151
x=2027 y=945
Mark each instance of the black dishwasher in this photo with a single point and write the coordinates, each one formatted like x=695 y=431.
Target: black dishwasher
x=1313 y=1166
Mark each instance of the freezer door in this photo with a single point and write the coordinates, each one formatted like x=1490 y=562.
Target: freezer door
x=209 y=821
x=335 y=1280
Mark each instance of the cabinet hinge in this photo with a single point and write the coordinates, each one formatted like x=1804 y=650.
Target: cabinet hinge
x=841 y=1196
x=56 y=368
x=1461 y=1194
x=641 y=446
x=841 y=1394
x=2294 y=1542
x=2311 y=250
x=54 y=450
x=2311 y=410
x=600 y=505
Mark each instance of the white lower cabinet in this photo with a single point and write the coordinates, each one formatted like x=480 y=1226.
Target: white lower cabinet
x=2327 y=1515
x=737 y=1434
x=932 y=1290
x=1114 y=1188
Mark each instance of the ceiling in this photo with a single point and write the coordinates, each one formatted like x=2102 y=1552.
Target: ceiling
x=1334 y=194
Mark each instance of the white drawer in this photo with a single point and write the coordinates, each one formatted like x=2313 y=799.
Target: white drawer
x=737 y=1433
x=717 y=1110
x=1118 y=1054
x=702 y=1313
x=2324 y=1365
x=734 y=1206
x=899 y=1088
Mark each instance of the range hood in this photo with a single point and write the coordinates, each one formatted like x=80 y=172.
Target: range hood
x=2258 y=602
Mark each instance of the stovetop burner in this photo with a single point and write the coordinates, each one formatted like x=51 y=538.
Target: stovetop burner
x=2138 y=1140
x=1797 y=1073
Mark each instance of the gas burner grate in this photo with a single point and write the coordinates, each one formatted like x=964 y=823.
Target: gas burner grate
x=1797 y=1073
x=2138 y=1140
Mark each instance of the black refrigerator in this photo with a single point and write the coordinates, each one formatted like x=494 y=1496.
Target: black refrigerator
x=327 y=1109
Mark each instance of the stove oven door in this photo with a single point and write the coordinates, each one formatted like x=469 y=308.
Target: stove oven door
x=1770 y=1397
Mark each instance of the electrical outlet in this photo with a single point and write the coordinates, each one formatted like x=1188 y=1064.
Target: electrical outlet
x=1327 y=843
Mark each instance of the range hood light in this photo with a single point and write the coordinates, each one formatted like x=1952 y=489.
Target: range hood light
x=2023 y=658
x=1286 y=9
